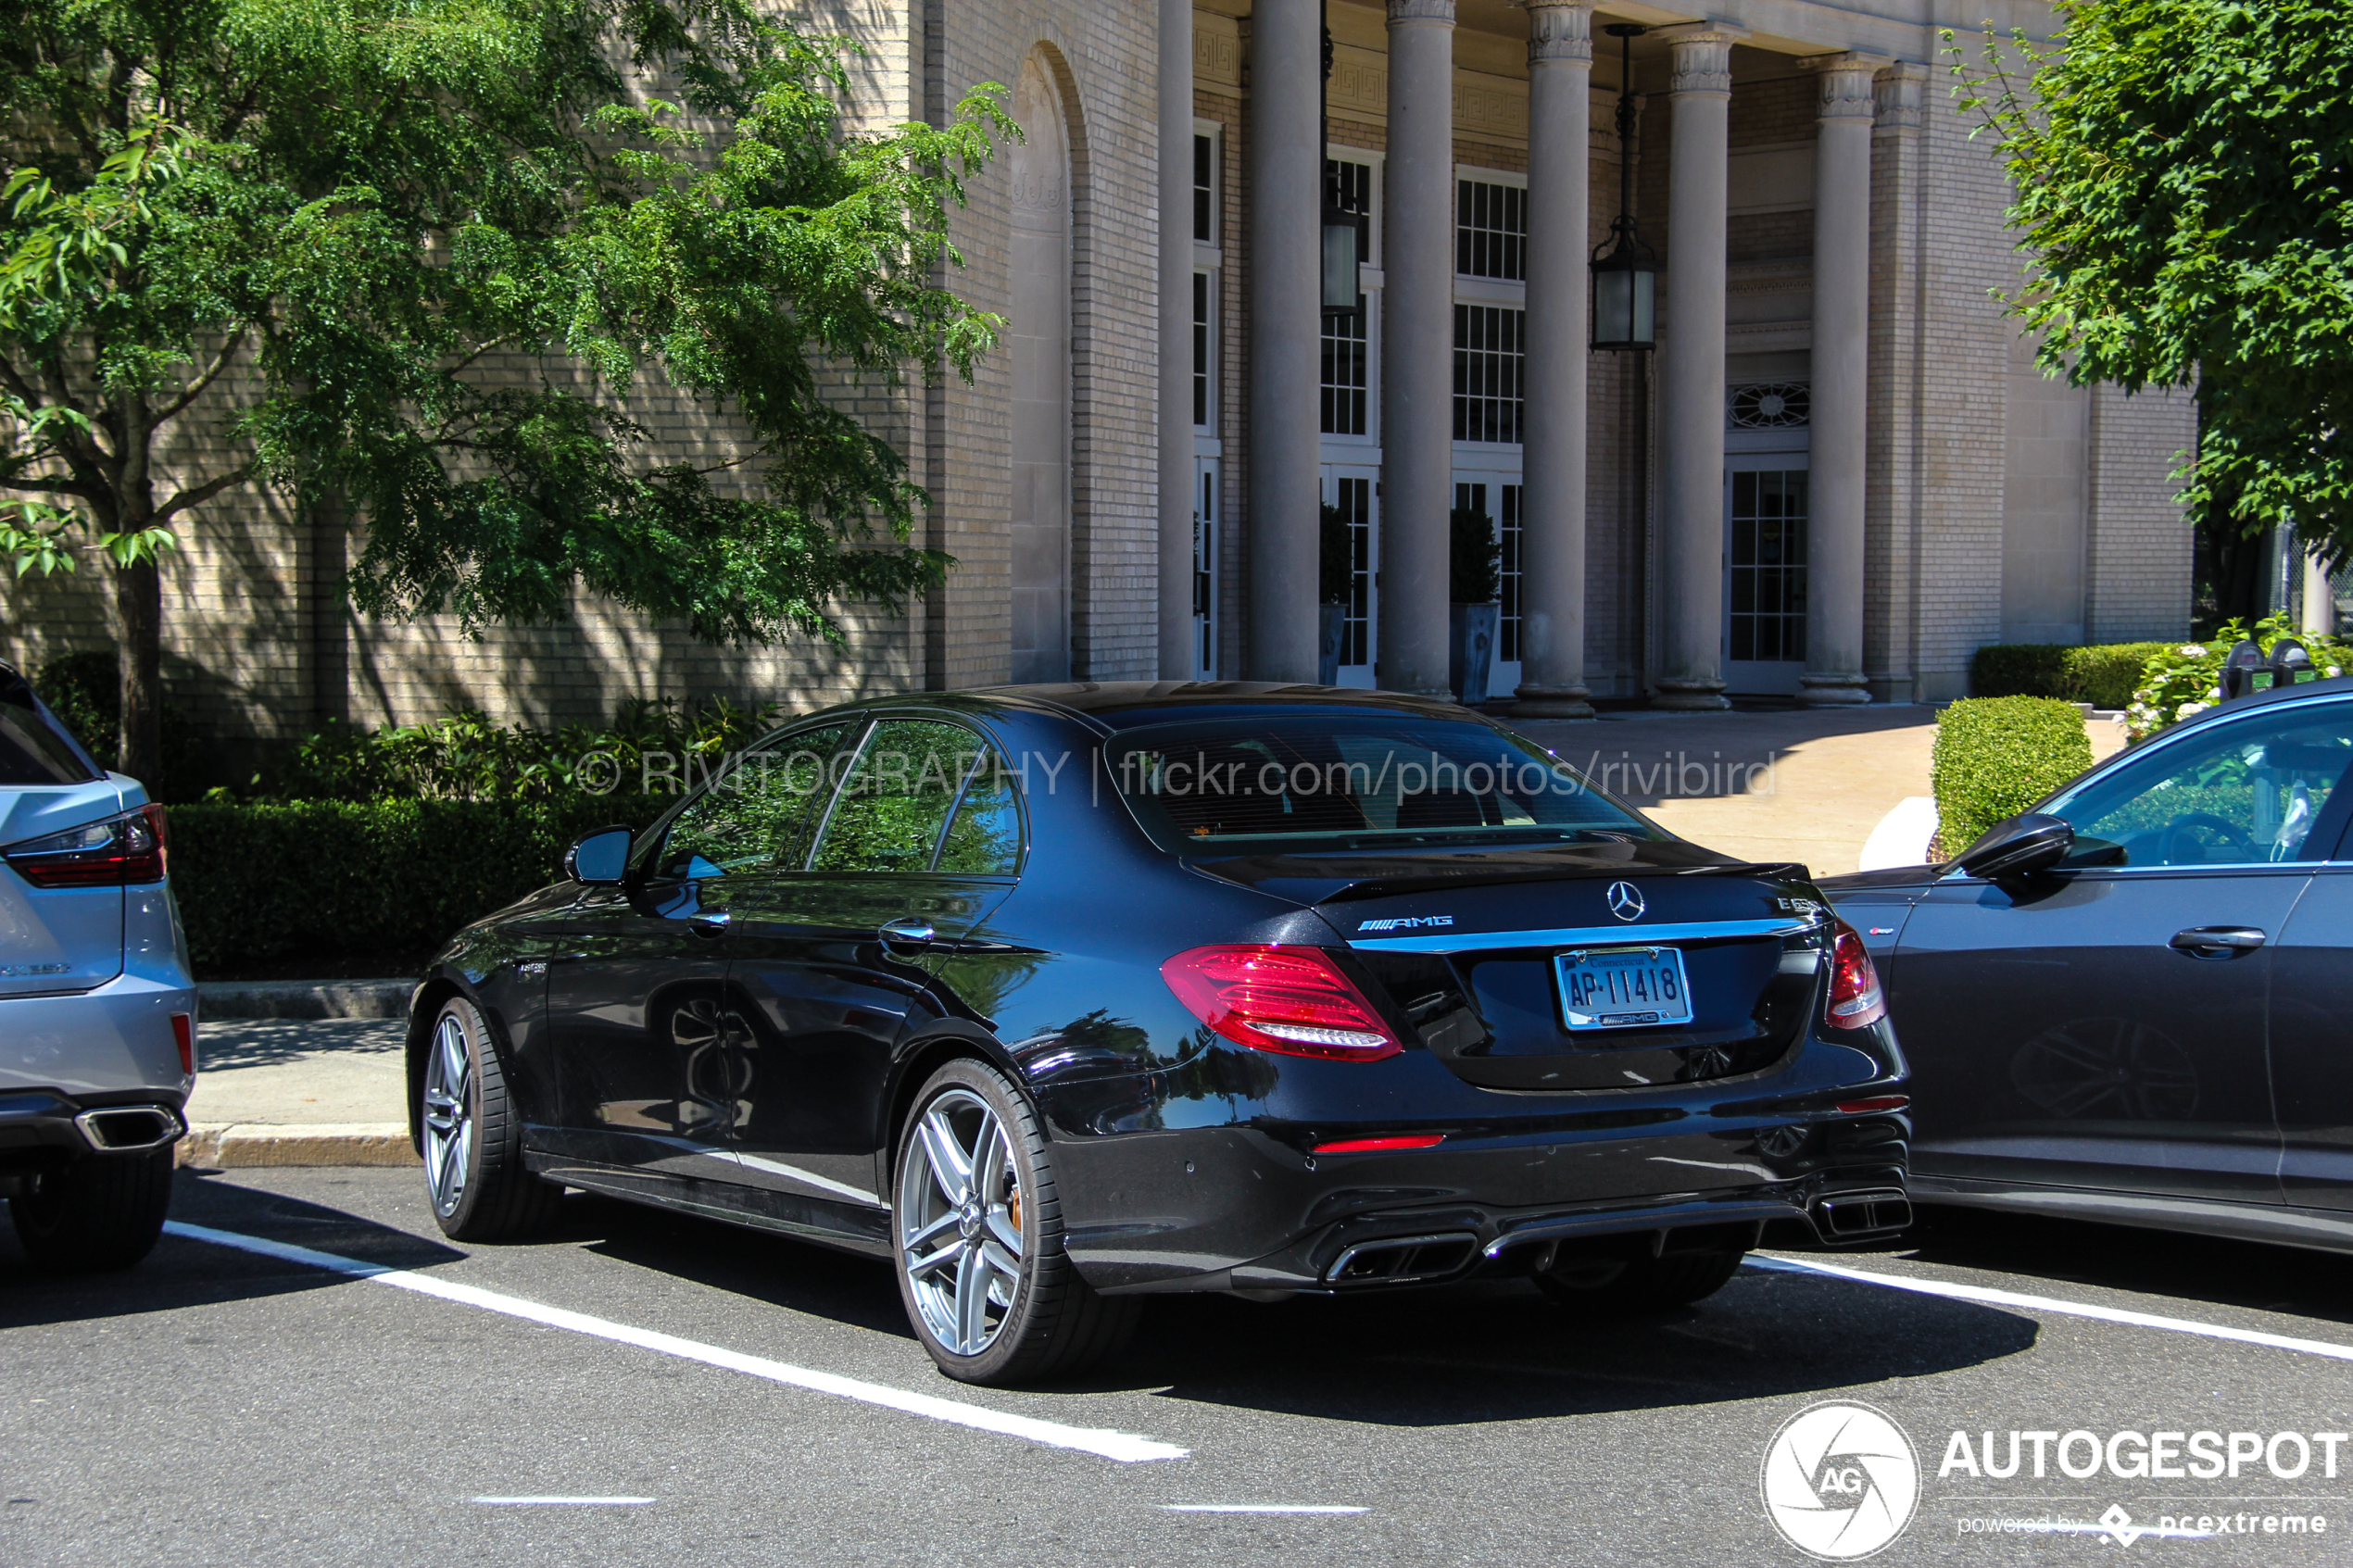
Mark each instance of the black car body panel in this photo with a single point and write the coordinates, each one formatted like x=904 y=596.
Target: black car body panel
x=746 y=1045
x=2077 y=1051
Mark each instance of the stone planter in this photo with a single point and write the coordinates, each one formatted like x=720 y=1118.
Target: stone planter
x=1331 y=626
x=1470 y=649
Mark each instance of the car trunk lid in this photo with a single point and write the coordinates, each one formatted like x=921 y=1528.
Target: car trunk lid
x=56 y=939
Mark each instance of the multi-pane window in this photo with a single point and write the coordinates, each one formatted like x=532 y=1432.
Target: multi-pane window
x=1206 y=189
x=1491 y=230
x=1490 y=361
x=1347 y=339
x=1355 y=499
x=1204 y=346
x=1768 y=565
x=1205 y=568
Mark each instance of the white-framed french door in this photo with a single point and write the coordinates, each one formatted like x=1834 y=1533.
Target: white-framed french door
x=1767 y=508
x=1207 y=530
x=1498 y=492
x=1356 y=490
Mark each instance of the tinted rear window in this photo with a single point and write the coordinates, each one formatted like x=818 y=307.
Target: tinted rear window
x=33 y=751
x=1304 y=782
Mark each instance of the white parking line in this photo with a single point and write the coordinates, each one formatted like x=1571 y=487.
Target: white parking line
x=1123 y=1447
x=565 y=1502
x=1253 y=1507
x=2052 y=1304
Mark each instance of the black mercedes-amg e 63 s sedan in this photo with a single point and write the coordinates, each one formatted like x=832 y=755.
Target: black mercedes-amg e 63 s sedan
x=1058 y=997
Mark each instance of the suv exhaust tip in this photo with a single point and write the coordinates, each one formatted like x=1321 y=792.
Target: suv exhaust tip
x=1407 y=1260
x=130 y=1129
x=1861 y=1216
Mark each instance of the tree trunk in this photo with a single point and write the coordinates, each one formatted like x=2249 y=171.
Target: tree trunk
x=138 y=597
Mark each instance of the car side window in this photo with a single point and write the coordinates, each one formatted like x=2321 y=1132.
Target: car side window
x=757 y=816
x=893 y=805
x=984 y=837
x=2242 y=792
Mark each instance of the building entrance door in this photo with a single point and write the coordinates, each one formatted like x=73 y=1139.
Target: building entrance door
x=1356 y=493
x=1764 y=573
x=1205 y=539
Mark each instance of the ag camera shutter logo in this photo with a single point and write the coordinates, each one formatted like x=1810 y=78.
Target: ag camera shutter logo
x=1840 y=1481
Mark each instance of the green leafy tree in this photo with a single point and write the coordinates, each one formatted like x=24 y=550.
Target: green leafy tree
x=310 y=243
x=2184 y=177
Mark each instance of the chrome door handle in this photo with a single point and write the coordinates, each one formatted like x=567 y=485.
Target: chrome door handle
x=907 y=931
x=2217 y=941
x=708 y=925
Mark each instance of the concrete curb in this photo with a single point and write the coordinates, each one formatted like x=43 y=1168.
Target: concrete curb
x=305 y=999
x=244 y=1145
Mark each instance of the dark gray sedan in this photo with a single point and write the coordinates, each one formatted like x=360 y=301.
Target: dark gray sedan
x=2135 y=1003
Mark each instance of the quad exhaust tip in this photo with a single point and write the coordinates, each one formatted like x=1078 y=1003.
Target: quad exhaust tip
x=1406 y=1260
x=128 y=1129
x=1852 y=1216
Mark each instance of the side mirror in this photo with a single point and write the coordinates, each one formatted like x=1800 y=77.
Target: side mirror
x=2017 y=845
x=601 y=859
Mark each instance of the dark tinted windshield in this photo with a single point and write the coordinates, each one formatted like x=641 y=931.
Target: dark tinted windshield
x=32 y=750
x=1309 y=782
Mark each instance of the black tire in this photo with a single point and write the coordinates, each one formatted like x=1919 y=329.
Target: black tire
x=1617 y=1287
x=474 y=1174
x=1053 y=1325
x=102 y=1212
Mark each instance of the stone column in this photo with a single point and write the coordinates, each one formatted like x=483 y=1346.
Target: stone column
x=2319 y=600
x=1286 y=335
x=1175 y=661
x=1417 y=348
x=1891 y=514
x=1834 y=550
x=1691 y=459
x=1552 y=582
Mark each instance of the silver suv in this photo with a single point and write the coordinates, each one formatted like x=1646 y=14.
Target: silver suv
x=97 y=1009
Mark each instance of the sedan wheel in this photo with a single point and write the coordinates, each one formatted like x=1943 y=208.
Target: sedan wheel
x=473 y=1134
x=978 y=1223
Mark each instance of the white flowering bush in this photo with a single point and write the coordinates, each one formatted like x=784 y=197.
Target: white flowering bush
x=2184 y=681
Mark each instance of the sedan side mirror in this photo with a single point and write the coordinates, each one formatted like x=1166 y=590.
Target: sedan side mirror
x=2017 y=845
x=601 y=859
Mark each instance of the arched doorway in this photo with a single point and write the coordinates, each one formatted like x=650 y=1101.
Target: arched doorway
x=1039 y=340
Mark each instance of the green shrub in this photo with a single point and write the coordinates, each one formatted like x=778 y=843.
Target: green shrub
x=1474 y=558
x=2104 y=674
x=1994 y=756
x=84 y=690
x=2180 y=682
x=323 y=879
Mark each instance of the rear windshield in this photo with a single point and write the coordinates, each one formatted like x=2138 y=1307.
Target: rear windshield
x=33 y=751
x=1307 y=783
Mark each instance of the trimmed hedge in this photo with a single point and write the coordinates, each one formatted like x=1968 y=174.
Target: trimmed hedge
x=2104 y=674
x=1994 y=756
x=330 y=878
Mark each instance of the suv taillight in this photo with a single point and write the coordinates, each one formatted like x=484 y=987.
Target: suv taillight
x=110 y=853
x=1292 y=1001
x=1856 y=1000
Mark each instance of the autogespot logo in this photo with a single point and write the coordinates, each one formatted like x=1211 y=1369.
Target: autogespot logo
x=1840 y=1481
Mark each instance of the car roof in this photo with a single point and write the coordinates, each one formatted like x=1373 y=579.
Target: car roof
x=1126 y=705
x=2303 y=691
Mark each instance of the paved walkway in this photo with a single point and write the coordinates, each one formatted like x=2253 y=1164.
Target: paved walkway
x=1799 y=784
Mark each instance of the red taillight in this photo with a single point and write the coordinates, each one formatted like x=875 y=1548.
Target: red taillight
x=184 y=1034
x=109 y=853
x=1877 y=1102
x=1375 y=1145
x=1292 y=1001
x=1856 y=999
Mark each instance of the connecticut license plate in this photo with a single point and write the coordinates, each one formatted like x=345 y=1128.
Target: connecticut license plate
x=1623 y=987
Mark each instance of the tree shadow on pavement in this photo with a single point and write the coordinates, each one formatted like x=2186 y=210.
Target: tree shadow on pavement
x=186 y=1273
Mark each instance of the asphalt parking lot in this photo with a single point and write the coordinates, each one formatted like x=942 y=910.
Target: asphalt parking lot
x=658 y=1390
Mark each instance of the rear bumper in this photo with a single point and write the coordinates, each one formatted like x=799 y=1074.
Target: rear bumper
x=106 y=1045
x=1247 y=1203
x=41 y=1131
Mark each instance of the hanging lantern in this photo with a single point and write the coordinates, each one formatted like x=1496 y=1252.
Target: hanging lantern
x=1625 y=270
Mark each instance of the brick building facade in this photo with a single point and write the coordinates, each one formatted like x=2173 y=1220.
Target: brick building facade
x=1747 y=522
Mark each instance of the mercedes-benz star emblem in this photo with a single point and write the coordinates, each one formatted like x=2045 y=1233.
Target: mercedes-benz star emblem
x=1626 y=900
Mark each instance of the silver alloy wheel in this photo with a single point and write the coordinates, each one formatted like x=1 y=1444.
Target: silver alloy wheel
x=959 y=1221
x=449 y=1118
